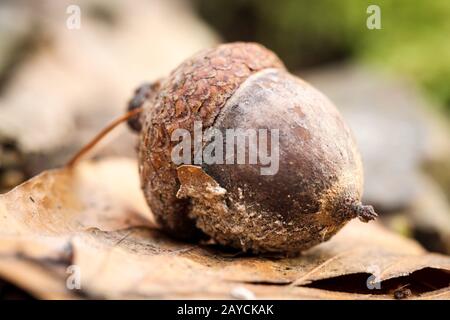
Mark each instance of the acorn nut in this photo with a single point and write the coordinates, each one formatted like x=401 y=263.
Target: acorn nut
x=316 y=186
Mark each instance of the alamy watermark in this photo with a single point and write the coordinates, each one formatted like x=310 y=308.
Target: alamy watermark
x=374 y=19
x=374 y=281
x=73 y=21
x=73 y=281
x=233 y=146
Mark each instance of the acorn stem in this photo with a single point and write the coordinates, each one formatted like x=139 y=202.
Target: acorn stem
x=364 y=213
x=101 y=135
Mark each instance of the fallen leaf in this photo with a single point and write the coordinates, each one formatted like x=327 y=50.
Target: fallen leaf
x=94 y=217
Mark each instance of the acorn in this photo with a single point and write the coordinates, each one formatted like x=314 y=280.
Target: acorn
x=316 y=187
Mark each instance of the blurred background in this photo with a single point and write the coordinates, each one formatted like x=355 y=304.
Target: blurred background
x=60 y=82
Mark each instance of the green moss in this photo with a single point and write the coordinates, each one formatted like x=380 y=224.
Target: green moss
x=414 y=39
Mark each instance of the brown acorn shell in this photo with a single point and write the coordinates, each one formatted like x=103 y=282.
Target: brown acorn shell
x=318 y=182
x=317 y=189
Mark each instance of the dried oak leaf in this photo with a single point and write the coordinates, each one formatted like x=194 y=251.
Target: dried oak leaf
x=95 y=218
